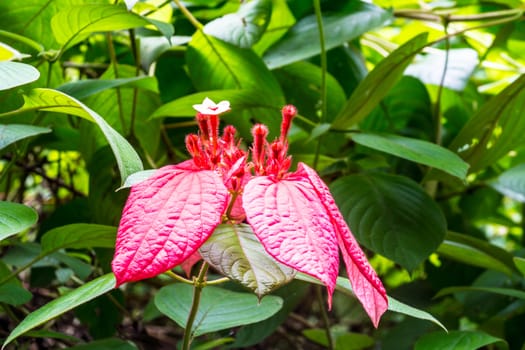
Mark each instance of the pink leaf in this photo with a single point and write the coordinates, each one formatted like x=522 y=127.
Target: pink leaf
x=166 y=219
x=365 y=283
x=293 y=226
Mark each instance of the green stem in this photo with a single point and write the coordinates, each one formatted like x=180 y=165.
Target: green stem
x=318 y=16
x=324 y=316
x=22 y=39
x=136 y=56
x=177 y=277
x=198 y=284
x=114 y=63
x=188 y=15
x=437 y=107
x=434 y=17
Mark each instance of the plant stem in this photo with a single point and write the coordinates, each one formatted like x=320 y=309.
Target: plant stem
x=31 y=43
x=114 y=62
x=177 y=277
x=324 y=315
x=198 y=25
x=318 y=15
x=198 y=283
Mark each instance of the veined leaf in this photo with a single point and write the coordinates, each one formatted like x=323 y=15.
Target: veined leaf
x=218 y=309
x=377 y=83
x=302 y=41
x=465 y=340
x=83 y=88
x=15 y=218
x=78 y=236
x=62 y=304
x=16 y=73
x=496 y=129
x=11 y=133
x=237 y=253
x=391 y=215
x=511 y=183
x=128 y=160
x=243 y=28
x=415 y=150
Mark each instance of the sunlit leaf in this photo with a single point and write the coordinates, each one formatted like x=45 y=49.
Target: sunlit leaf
x=11 y=133
x=391 y=215
x=218 y=309
x=236 y=253
x=62 y=304
x=15 y=218
x=16 y=73
x=453 y=340
x=520 y=264
x=511 y=183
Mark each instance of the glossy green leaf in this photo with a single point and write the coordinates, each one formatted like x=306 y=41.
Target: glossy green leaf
x=11 y=291
x=514 y=293
x=83 y=88
x=476 y=252
x=460 y=66
x=235 y=252
x=78 y=236
x=15 y=218
x=216 y=65
x=16 y=73
x=520 y=264
x=62 y=304
x=281 y=21
x=244 y=27
x=415 y=150
x=302 y=41
x=391 y=215
x=128 y=160
x=137 y=177
x=11 y=133
x=343 y=285
x=218 y=309
x=72 y=25
x=511 y=183
x=496 y=129
x=378 y=83
x=456 y=340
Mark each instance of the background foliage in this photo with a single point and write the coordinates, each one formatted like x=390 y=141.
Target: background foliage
x=411 y=110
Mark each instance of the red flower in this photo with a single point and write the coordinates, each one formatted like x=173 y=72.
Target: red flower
x=169 y=216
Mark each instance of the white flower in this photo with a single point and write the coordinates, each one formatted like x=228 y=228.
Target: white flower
x=208 y=107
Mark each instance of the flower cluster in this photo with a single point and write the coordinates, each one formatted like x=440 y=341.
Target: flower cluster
x=170 y=215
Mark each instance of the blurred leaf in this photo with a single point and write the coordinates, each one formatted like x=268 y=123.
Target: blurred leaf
x=15 y=218
x=55 y=101
x=83 y=88
x=62 y=304
x=218 y=309
x=13 y=132
x=391 y=215
x=496 y=129
x=72 y=25
x=302 y=41
x=476 y=252
x=343 y=341
x=520 y=264
x=11 y=291
x=280 y=21
x=106 y=344
x=514 y=293
x=378 y=83
x=79 y=236
x=8 y=53
x=246 y=260
x=243 y=28
x=456 y=340
x=15 y=74
x=511 y=183
x=415 y=150
x=460 y=66
x=343 y=285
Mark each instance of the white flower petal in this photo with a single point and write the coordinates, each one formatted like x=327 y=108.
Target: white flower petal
x=208 y=107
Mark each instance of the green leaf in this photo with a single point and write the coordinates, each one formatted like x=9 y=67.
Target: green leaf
x=476 y=252
x=62 y=304
x=460 y=66
x=218 y=309
x=243 y=28
x=216 y=65
x=391 y=215
x=79 y=236
x=343 y=285
x=302 y=41
x=13 y=132
x=281 y=20
x=520 y=264
x=343 y=341
x=106 y=344
x=83 y=88
x=511 y=183
x=137 y=177
x=514 y=293
x=15 y=218
x=496 y=129
x=11 y=291
x=15 y=74
x=415 y=150
x=378 y=83
x=246 y=260
x=128 y=160
x=455 y=340
x=239 y=100
x=75 y=23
